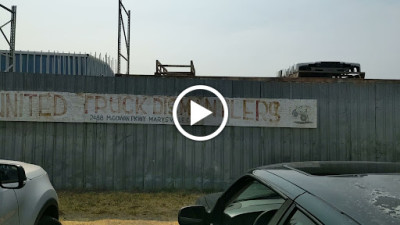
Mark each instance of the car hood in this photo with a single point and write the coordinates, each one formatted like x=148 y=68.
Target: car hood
x=31 y=170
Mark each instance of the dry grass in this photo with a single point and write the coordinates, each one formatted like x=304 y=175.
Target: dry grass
x=123 y=207
x=120 y=222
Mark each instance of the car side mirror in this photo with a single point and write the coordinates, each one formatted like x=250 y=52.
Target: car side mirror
x=12 y=176
x=193 y=215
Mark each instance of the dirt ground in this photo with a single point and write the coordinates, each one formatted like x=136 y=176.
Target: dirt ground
x=122 y=208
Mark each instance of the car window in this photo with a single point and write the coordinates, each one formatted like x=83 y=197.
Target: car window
x=8 y=174
x=253 y=200
x=299 y=218
x=255 y=191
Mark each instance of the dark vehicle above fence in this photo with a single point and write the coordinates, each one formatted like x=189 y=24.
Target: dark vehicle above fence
x=324 y=69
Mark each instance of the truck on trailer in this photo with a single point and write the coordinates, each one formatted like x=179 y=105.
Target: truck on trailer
x=323 y=69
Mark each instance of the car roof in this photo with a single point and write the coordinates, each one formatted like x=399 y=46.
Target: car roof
x=368 y=192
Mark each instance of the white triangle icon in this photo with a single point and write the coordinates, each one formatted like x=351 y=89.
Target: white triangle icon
x=197 y=112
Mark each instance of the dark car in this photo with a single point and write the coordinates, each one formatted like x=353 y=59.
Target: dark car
x=305 y=193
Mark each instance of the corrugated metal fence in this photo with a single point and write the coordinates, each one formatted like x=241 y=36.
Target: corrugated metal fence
x=56 y=63
x=357 y=120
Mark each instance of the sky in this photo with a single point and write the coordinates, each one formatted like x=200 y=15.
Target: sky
x=223 y=38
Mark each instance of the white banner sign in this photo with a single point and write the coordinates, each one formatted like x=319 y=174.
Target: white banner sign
x=141 y=109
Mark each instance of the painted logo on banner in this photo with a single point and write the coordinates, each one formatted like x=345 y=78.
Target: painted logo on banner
x=142 y=109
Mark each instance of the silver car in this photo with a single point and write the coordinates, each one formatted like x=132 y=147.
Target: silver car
x=26 y=195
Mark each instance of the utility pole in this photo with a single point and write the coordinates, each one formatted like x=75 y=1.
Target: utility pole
x=127 y=36
x=11 y=41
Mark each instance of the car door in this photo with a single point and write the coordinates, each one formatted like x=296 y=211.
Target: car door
x=8 y=207
x=308 y=209
x=8 y=203
x=298 y=216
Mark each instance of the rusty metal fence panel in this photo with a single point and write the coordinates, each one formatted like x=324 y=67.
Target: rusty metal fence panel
x=357 y=120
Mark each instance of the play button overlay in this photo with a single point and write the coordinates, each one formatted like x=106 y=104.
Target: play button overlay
x=198 y=112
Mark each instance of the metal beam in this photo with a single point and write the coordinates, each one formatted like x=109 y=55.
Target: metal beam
x=2 y=6
x=127 y=36
x=119 y=38
x=128 y=44
x=5 y=24
x=13 y=33
x=10 y=41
